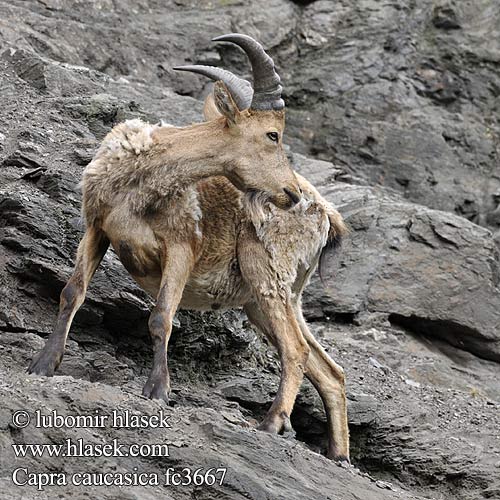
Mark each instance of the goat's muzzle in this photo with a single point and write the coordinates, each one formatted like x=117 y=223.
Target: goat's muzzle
x=287 y=199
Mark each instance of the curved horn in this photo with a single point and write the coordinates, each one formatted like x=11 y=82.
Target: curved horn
x=240 y=89
x=266 y=82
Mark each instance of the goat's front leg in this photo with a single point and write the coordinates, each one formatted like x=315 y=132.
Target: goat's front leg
x=329 y=380
x=278 y=323
x=283 y=331
x=91 y=250
x=176 y=267
x=326 y=376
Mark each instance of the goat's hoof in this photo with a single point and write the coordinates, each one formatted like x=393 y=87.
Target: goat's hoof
x=43 y=364
x=156 y=390
x=267 y=426
x=339 y=454
x=276 y=424
x=288 y=431
x=342 y=460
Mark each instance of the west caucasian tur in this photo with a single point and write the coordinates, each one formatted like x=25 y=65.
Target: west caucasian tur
x=212 y=216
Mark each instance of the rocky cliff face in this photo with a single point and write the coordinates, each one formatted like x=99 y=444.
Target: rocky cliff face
x=393 y=115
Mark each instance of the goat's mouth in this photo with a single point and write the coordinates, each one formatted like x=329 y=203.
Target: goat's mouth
x=259 y=205
x=285 y=201
x=263 y=198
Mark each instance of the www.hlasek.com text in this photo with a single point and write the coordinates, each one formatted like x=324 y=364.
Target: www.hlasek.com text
x=24 y=476
x=80 y=448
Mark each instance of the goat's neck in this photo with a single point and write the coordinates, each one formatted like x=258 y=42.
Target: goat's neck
x=193 y=153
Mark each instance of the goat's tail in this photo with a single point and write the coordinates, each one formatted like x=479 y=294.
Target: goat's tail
x=338 y=230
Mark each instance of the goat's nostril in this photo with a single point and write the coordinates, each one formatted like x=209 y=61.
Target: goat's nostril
x=294 y=197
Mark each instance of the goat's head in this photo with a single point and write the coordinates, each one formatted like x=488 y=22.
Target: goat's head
x=254 y=124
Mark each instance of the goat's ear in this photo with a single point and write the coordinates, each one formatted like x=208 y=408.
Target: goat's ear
x=210 y=111
x=225 y=103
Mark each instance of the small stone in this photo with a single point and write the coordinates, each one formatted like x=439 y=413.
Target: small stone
x=384 y=485
x=378 y=365
x=412 y=383
x=444 y=17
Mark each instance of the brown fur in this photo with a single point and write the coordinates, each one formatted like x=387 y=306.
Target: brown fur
x=209 y=246
x=148 y=167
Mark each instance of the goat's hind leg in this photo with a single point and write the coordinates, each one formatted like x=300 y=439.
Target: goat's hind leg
x=176 y=267
x=329 y=380
x=91 y=250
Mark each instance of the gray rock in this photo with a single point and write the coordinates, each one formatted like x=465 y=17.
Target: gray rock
x=395 y=94
x=429 y=271
x=401 y=96
x=200 y=438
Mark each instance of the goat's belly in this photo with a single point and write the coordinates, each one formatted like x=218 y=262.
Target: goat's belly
x=206 y=292
x=215 y=290
x=150 y=284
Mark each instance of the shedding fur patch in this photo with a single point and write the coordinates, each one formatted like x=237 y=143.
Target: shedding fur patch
x=293 y=238
x=133 y=135
x=123 y=171
x=185 y=213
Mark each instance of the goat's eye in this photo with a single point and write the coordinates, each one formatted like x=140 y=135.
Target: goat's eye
x=273 y=136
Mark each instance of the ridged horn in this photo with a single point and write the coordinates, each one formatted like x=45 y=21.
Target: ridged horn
x=240 y=89
x=266 y=82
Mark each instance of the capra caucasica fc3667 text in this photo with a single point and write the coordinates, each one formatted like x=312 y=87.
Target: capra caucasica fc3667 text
x=211 y=216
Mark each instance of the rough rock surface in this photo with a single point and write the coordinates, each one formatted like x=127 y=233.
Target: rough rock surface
x=430 y=271
x=395 y=100
x=403 y=94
